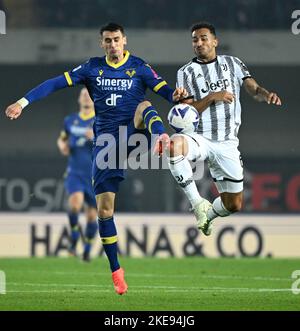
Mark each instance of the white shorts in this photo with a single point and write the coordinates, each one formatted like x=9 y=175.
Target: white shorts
x=224 y=161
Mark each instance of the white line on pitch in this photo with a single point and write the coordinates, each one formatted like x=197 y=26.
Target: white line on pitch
x=149 y=290
x=260 y=278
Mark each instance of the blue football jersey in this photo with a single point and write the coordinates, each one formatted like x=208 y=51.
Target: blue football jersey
x=116 y=89
x=80 y=159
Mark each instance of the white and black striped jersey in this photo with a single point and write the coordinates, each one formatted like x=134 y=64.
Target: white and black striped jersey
x=221 y=121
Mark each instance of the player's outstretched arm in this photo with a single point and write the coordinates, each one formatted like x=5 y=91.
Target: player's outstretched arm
x=204 y=103
x=172 y=95
x=49 y=86
x=157 y=84
x=261 y=94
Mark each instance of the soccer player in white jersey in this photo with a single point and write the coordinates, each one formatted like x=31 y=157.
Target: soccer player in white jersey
x=214 y=81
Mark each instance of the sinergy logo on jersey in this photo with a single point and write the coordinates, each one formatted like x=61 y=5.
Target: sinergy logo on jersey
x=114 y=84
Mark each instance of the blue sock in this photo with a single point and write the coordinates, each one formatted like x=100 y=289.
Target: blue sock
x=108 y=234
x=73 y=220
x=90 y=232
x=153 y=121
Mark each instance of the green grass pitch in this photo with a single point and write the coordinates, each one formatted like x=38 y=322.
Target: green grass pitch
x=187 y=284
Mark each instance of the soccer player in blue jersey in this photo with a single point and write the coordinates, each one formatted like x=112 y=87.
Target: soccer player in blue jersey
x=117 y=84
x=75 y=141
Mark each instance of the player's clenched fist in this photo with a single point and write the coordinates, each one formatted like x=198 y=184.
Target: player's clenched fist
x=13 y=111
x=179 y=93
x=273 y=98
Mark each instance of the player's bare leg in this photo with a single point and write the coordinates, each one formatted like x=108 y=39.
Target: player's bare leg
x=232 y=201
x=108 y=233
x=105 y=204
x=75 y=203
x=183 y=174
x=90 y=231
x=225 y=205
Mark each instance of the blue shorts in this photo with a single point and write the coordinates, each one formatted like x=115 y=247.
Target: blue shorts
x=76 y=183
x=106 y=178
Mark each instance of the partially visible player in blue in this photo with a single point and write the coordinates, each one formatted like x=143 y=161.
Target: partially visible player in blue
x=75 y=141
x=117 y=84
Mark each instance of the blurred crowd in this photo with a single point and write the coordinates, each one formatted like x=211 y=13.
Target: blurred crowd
x=154 y=14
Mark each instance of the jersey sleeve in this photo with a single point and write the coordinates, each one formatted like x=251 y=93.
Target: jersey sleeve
x=47 y=87
x=156 y=83
x=152 y=79
x=77 y=75
x=241 y=70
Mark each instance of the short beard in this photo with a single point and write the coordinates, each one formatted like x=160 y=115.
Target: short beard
x=201 y=57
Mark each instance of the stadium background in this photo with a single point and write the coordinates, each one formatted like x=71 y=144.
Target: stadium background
x=44 y=38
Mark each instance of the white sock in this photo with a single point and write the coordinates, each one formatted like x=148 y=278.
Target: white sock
x=183 y=174
x=217 y=209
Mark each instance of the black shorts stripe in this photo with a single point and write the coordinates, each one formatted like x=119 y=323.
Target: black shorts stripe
x=229 y=180
x=246 y=77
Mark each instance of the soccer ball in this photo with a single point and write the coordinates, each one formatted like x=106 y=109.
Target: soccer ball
x=183 y=118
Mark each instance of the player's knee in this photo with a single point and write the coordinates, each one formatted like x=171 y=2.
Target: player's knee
x=75 y=208
x=233 y=206
x=177 y=146
x=105 y=212
x=75 y=202
x=142 y=106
